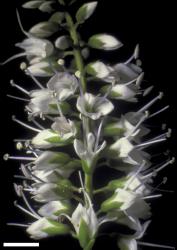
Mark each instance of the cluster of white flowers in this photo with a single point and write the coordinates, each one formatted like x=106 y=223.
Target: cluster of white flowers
x=76 y=132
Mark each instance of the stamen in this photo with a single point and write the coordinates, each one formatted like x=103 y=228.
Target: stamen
x=21 y=158
x=22 y=177
x=148 y=143
x=28 y=205
x=132 y=178
x=26 y=211
x=160 y=111
x=13 y=58
x=154 y=245
x=18 y=98
x=148 y=90
x=20 y=24
x=17 y=225
x=37 y=124
x=150 y=103
x=19 y=87
x=164 y=165
x=25 y=125
x=161 y=183
x=34 y=79
x=139 y=123
x=152 y=196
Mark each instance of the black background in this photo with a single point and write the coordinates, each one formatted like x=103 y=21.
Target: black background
x=143 y=22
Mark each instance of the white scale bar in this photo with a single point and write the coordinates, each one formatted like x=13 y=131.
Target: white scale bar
x=20 y=244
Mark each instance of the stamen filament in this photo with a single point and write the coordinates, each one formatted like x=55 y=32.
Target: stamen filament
x=26 y=211
x=149 y=143
x=34 y=79
x=160 y=111
x=13 y=57
x=17 y=225
x=154 y=245
x=25 y=125
x=18 y=98
x=152 y=196
x=19 y=87
x=150 y=103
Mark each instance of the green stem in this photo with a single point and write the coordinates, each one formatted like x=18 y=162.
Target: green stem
x=77 y=51
x=88 y=184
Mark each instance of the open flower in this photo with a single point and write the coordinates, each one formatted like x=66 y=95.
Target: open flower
x=88 y=153
x=128 y=201
x=36 y=47
x=121 y=92
x=53 y=209
x=63 y=84
x=94 y=107
x=64 y=127
x=44 y=228
x=123 y=149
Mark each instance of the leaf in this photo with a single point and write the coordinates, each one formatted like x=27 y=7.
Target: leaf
x=85 y=11
x=44 y=29
x=32 y=4
x=57 y=17
x=104 y=41
x=84 y=234
x=46 y=7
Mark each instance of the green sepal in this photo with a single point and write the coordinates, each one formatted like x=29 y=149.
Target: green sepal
x=110 y=204
x=119 y=183
x=56 y=228
x=95 y=43
x=111 y=129
x=60 y=157
x=90 y=245
x=84 y=234
x=64 y=188
x=112 y=93
x=90 y=70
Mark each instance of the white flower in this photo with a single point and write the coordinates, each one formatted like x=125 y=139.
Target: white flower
x=44 y=228
x=104 y=41
x=126 y=72
x=121 y=92
x=52 y=176
x=45 y=192
x=41 y=101
x=88 y=153
x=94 y=106
x=64 y=127
x=123 y=149
x=48 y=138
x=54 y=208
x=63 y=84
x=128 y=201
x=40 y=69
x=36 y=47
x=85 y=11
x=49 y=160
x=98 y=69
